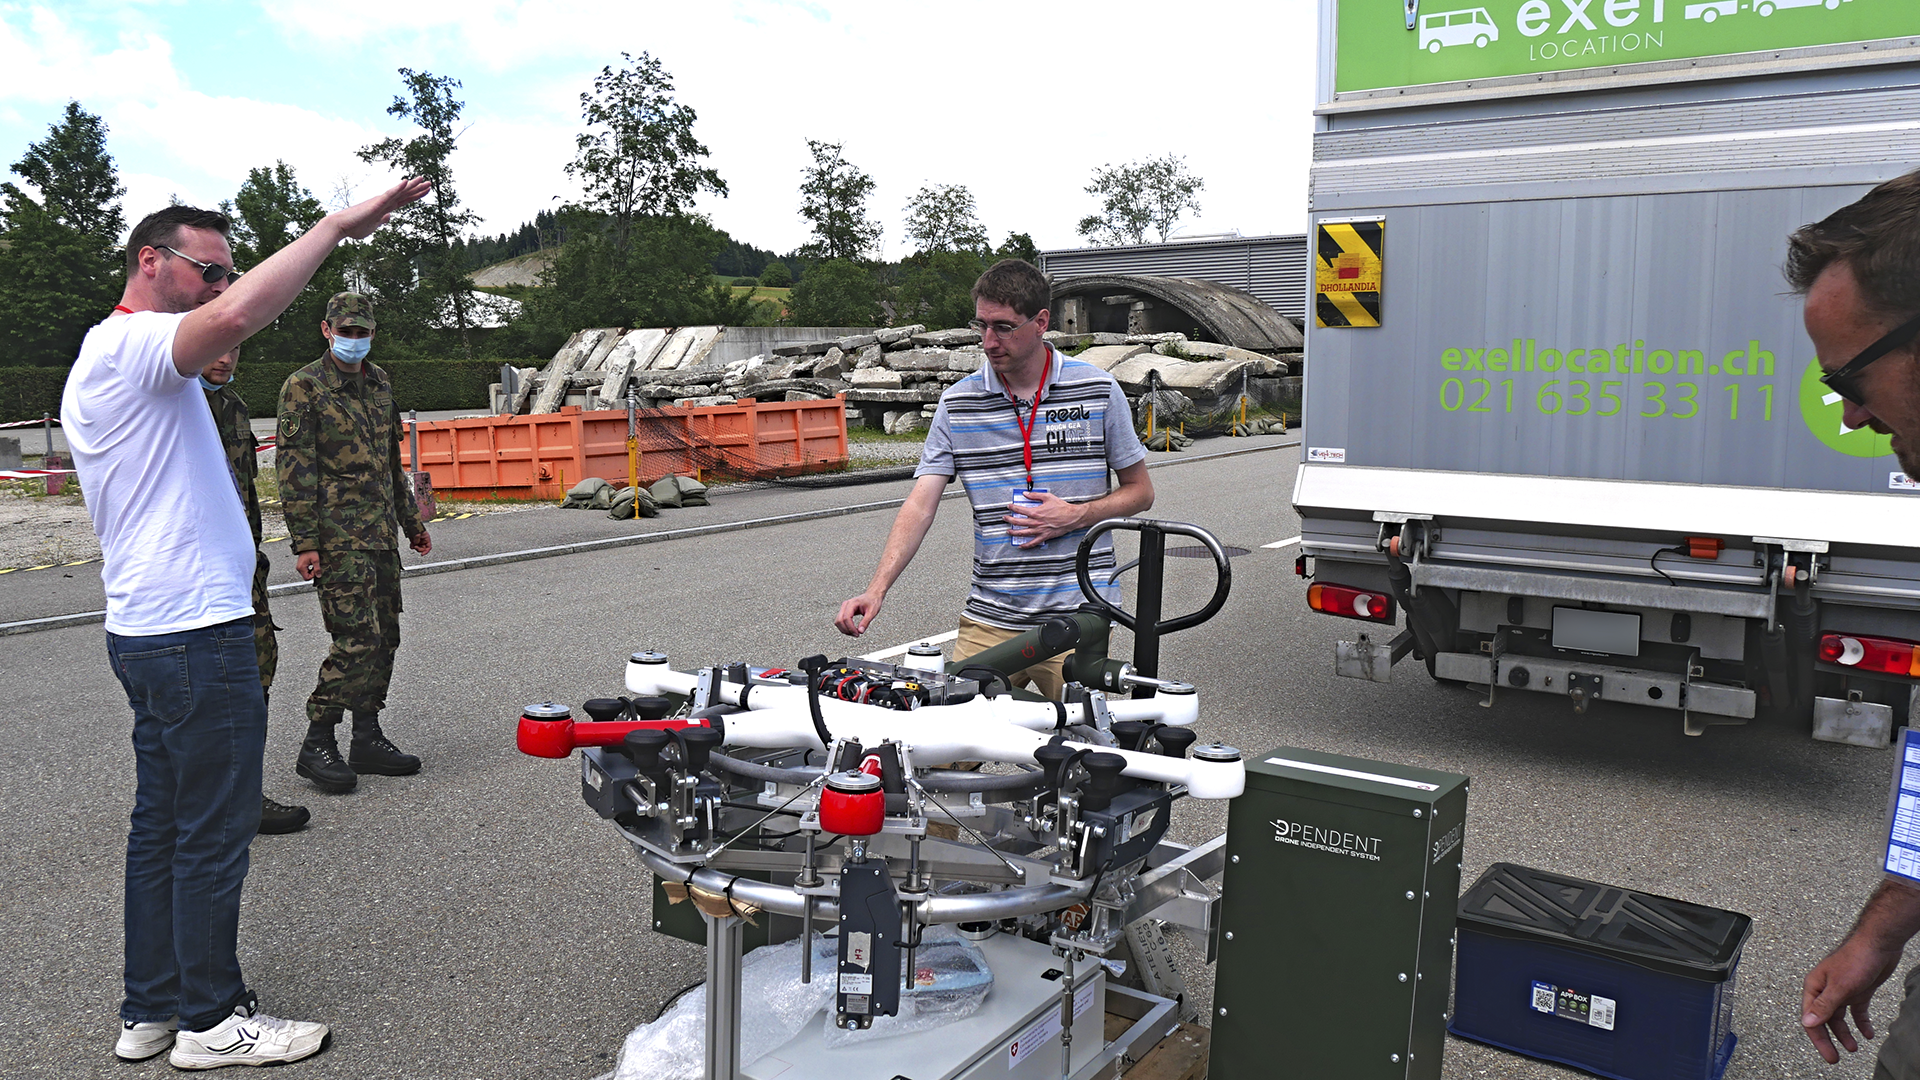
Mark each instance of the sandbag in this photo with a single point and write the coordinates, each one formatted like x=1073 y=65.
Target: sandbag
x=679 y=491
x=589 y=494
x=624 y=503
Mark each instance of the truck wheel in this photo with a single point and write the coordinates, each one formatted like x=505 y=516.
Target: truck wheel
x=1434 y=46
x=1764 y=10
x=1709 y=15
x=1480 y=42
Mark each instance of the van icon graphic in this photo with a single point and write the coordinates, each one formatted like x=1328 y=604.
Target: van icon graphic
x=1468 y=26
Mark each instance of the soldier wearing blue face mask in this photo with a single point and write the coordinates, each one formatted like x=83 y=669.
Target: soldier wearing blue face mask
x=342 y=489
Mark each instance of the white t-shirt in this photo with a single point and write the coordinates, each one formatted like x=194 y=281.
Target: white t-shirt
x=177 y=551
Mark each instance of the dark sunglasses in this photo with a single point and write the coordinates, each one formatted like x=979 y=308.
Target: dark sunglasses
x=209 y=272
x=1845 y=380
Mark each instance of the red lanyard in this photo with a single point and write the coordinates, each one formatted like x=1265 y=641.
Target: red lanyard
x=1026 y=429
x=123 y=307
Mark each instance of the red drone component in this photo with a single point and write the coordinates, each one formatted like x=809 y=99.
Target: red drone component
x=852 y=804
x=1350 y=603
x=1705 y=547
x=1888 y=656
x=549 y=730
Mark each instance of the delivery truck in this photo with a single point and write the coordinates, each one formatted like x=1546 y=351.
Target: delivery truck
x=1563 y=428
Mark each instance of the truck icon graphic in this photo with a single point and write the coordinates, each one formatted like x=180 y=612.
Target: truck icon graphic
x=1468 y=26
x=1766 y=7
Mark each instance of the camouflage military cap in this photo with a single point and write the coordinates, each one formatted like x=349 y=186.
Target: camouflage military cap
x=350 y=309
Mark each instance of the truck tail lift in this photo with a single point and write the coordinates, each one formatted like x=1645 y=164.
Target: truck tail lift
x=1063 y=858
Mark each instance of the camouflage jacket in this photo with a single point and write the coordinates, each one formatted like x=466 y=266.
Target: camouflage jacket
x=236 y=434
x=342 y=482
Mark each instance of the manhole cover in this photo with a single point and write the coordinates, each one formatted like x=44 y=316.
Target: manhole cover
x=1195 y=551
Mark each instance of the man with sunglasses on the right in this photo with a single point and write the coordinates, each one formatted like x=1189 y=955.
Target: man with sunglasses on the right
x=1859 y=270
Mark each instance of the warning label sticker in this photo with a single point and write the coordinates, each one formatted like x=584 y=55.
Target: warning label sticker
x=1348 y=273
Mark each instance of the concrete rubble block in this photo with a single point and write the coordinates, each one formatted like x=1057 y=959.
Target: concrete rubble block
x=948 y=378
x=565 y=362
x=876 y=378
x=792 y=348
x=1108 y=357
x=597 y=360
x=830 y=366
x=686 y=348
x=947 y=339
x=635 y=350
x=1204 y=379
x=1212 y=350
x=1174 y=337
x=1060 y=339
x=523 y=397
x=1108 y=339
x=920 y=360
x=898 y=336
x=674 y=390
x=9 y=453
x=703 y=401
x=1132 y=372
x=919 y=395
x=867 y=357
x=854 y=342
x=966 y=361
x=904 y=422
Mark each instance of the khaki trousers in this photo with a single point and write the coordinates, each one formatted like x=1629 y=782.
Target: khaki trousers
x=1048 y=677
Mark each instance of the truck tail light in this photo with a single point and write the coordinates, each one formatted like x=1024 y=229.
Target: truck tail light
x=1888 y=656
x=1350 y=603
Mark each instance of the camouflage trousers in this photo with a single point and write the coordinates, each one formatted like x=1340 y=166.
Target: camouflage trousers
x=360 y=604
x=265 y=645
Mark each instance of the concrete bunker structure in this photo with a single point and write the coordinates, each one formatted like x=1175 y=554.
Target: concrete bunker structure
x=1143 y=304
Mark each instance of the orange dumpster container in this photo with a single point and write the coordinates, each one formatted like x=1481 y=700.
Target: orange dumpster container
x=539 y=457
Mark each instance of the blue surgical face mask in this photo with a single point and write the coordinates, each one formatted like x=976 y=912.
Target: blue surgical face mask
x=209 y=387
x=350 y=351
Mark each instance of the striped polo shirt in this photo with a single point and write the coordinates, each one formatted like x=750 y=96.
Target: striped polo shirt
x=1083 y=429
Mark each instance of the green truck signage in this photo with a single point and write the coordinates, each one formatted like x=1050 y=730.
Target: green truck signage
x=1458 y=40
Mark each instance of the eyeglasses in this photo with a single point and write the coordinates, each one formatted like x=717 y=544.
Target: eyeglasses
x=1845 y=380
x=1000 y=329
x=209 y=272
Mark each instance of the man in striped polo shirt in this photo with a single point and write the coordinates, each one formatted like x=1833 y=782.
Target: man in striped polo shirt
x=1032 y=425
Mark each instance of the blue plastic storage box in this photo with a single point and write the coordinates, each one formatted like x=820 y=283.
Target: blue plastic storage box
x=1618 y=983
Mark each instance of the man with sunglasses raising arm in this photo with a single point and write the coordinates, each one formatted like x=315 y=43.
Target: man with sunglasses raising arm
x=177 y=563
x=1032 y=436
x=1859 y=270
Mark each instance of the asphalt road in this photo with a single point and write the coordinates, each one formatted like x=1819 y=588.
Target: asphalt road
x=477 y=921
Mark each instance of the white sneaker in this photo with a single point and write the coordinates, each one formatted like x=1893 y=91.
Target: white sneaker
x=248 y=1037
x=138 y=1042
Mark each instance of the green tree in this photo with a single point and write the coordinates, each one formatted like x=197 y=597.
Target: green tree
x=60 y=258
x=423 y=241
x=936 y=287
x=1151 y=194
x=1018 y=246
x=776 y=275
x=943 y=218
x=833 y=200
x=270 y=211
x=838 y=292
x=638 y=155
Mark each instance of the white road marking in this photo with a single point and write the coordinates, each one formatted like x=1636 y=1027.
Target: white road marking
x=897 y=650
x=1288 y=542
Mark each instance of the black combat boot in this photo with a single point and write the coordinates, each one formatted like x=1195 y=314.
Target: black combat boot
x=275 y=818
x=372 y=753
x=320 y=761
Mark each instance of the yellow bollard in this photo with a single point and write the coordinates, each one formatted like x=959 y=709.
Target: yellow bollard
x=1149 y=419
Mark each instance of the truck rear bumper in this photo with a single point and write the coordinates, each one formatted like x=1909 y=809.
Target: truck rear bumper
x=1547 y=675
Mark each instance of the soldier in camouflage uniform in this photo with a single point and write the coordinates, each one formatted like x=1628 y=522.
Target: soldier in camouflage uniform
x=236 y=434
x=342 y=487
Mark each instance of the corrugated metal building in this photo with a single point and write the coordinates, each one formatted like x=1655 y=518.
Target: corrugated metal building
x=1273 y=268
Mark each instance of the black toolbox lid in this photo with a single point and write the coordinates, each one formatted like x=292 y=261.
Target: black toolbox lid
x=1653 y=931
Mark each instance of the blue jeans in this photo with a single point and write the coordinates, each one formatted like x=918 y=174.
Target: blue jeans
x=199 y=728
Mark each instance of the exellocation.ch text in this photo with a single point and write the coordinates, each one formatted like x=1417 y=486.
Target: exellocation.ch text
x=1572 y=396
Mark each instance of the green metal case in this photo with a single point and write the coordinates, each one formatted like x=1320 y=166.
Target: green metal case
x=1336 y=942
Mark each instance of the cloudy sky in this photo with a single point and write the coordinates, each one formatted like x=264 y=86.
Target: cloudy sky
x=1019 y=101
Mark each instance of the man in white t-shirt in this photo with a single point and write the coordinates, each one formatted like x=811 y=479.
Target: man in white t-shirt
x=177 y=562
